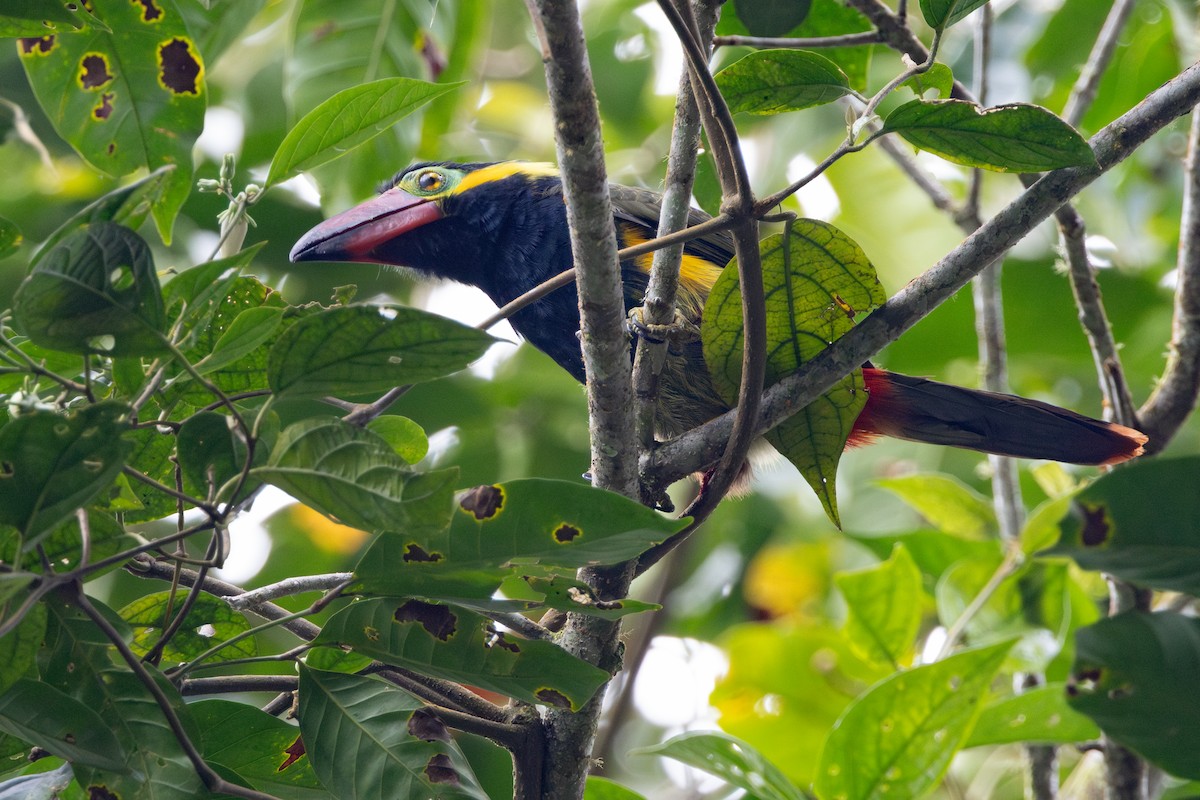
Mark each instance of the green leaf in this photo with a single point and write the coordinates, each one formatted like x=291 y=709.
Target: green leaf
x=210 y=621
x=1038 y=715
x=1120 y=525
x=774 y=81
x=897 y=740
x=129 y=205
x=816 y=279
x=113 y=93
x=251 y=328
x=533 y=521
x=10 y=238
x=210 y=454
x=38 y=713
x=728 y=758
x=96 y=292
x=462 y=646
x=368 y=739
x=352 y=350
x=18 y=648
x=1041 y=529
x=1011 y=138
x=51 y=465
x=938 y=78
x=950 y=505
x=944 y=13
x=63 y=545
x=933 y=551
x=355 y=478
x=254 y=744
x=1131 y=675
x=771 y=17
x=406 y=437
x=40 y=17
x=884 y=608
x=346 y=120
x=598 y=788
x=565 y=594
x=201 y=289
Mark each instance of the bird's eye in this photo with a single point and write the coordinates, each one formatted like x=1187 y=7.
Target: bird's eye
x=430 y=181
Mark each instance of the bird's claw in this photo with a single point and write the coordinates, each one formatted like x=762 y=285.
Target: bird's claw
x=675 y=334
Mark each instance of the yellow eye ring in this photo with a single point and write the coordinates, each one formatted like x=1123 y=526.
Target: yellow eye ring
x=430 y=181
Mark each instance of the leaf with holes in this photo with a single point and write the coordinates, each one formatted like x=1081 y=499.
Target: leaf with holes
x=1012 y=138
x=356 y=350
x=249 y=329
x=209 y=622
x=884 y=608
x=355 y=478
x=96 y=292
x=51 y=465
x=126 y=95
x=41 y=17
x=1120 y=525
x=346 y=120
x=897 y=740
x=368 y=739
x=462 y=646
x=1130 y=673
x=816 y=279
x=496 y=527
x=730 y=759
x=775 y=81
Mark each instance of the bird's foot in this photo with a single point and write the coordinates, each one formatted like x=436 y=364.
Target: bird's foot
x=675 y=334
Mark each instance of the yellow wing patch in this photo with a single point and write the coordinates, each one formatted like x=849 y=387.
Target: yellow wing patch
x=695 y=273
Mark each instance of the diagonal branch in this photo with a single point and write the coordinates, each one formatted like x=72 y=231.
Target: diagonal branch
x=1113 y=144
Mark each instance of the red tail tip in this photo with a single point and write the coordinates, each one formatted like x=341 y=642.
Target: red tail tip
x=1136 y=440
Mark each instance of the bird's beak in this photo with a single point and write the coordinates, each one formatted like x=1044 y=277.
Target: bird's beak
x=353 y=235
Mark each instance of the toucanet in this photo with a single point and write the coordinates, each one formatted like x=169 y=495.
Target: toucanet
x=503 y=228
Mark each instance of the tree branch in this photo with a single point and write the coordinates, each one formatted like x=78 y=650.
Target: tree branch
x=1113 y=144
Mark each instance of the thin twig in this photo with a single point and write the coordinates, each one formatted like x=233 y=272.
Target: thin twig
x=207 y=774
x=288 y=586
x=1084 y=90
x=229 y=684
x=764 y=42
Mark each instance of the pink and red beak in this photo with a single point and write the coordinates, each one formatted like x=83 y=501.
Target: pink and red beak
x=354 y=235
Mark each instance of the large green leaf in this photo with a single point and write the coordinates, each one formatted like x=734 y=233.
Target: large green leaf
x=1011 y=138
x=256 y=746
x=96 y=292
x=210 y=454
x=1038 y=715
x=816 y=279
x=884 y=608
x=369 y=740
x=346 y=120
x=50 y=465
x=44 y=716
x=950 y=505
x=127 y=97
x=354 y=477
x=1121 y=525
x=1135 y=675
x=774 y=81
x=944 y=13
x=354 y=350
x=897 y=740
x=127 y=205
x=210 y=621
x=728 y=758
x=19 y=646
x=771 y=17
x=462 y=646
x=523 y=522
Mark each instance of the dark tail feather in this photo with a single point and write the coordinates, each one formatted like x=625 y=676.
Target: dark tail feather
x=937 y=413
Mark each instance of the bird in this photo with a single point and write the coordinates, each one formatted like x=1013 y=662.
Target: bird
x=502 y=227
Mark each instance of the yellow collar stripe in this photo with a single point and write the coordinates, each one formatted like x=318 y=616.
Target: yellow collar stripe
x=505 y=169
x=695 y=272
